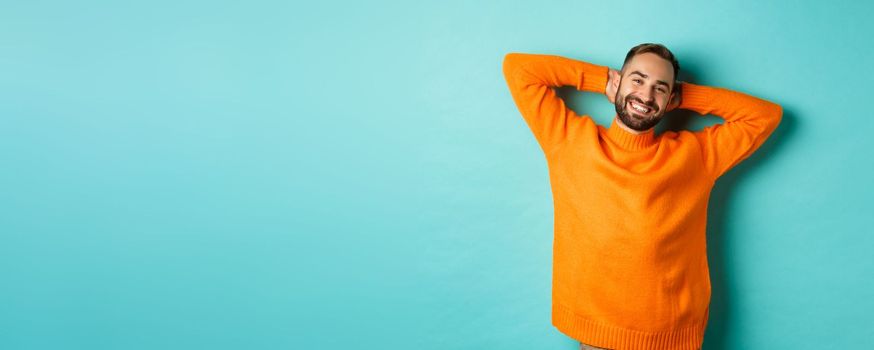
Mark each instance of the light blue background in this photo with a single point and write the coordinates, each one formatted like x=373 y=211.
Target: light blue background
x=343 y=175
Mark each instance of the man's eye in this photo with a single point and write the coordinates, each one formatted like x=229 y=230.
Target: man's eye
x=662 y=90
x=636 y=80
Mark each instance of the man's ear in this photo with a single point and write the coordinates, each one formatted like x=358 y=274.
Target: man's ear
x=616 y=76
x=675 y=99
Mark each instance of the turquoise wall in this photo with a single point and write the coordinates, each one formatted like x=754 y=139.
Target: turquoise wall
x=344 y=175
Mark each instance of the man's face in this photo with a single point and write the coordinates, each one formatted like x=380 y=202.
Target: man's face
x=646 y=82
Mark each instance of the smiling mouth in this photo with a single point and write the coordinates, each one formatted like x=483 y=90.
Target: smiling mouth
x=640 y=108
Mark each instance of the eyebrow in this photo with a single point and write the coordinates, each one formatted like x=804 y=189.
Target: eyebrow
x=647 y=76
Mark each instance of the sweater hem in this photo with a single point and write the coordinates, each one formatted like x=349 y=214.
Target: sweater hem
x=614 y=337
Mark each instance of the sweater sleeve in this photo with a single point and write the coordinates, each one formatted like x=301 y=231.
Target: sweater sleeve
x=749 y=121
x=531 y=78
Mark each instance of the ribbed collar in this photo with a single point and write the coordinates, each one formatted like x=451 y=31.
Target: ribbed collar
x=629 y=141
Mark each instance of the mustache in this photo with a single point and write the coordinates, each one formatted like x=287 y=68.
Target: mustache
x=639 y=101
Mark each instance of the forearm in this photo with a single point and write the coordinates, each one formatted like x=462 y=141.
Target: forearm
x=749 y=121
x=730 y=105
x=523 y=69
x=531 y=79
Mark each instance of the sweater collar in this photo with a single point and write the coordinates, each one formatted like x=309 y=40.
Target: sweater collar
x=628 y=140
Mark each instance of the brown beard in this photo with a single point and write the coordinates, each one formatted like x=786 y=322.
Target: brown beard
x=636 y=123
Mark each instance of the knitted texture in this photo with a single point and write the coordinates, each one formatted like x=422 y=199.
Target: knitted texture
x=630 y=260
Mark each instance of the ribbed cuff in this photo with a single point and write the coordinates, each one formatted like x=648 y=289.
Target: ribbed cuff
x=696 y=97
x=594 y=78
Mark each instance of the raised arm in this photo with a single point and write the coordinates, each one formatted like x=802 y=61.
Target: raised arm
x=531 y=79
x=748 y=123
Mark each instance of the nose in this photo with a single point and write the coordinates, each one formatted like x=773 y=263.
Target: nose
x=646 y=97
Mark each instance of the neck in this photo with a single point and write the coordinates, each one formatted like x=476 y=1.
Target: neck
x=626 y=128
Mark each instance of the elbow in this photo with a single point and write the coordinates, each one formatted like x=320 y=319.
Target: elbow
x=777 y=114
x=766 y=119
x=511 y=61
x=772 y=118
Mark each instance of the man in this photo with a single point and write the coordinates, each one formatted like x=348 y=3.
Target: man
x=630 y=259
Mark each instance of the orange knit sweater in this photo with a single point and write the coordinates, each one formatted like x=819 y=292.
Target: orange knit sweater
x=630 y=260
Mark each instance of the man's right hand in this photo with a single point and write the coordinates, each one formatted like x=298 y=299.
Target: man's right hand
x=610 y=91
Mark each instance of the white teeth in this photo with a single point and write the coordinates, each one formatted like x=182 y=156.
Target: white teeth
x=639 y=108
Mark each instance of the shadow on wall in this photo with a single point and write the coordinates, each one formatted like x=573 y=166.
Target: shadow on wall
x=719 y=222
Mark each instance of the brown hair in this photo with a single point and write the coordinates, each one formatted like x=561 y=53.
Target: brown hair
x=657 y=49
